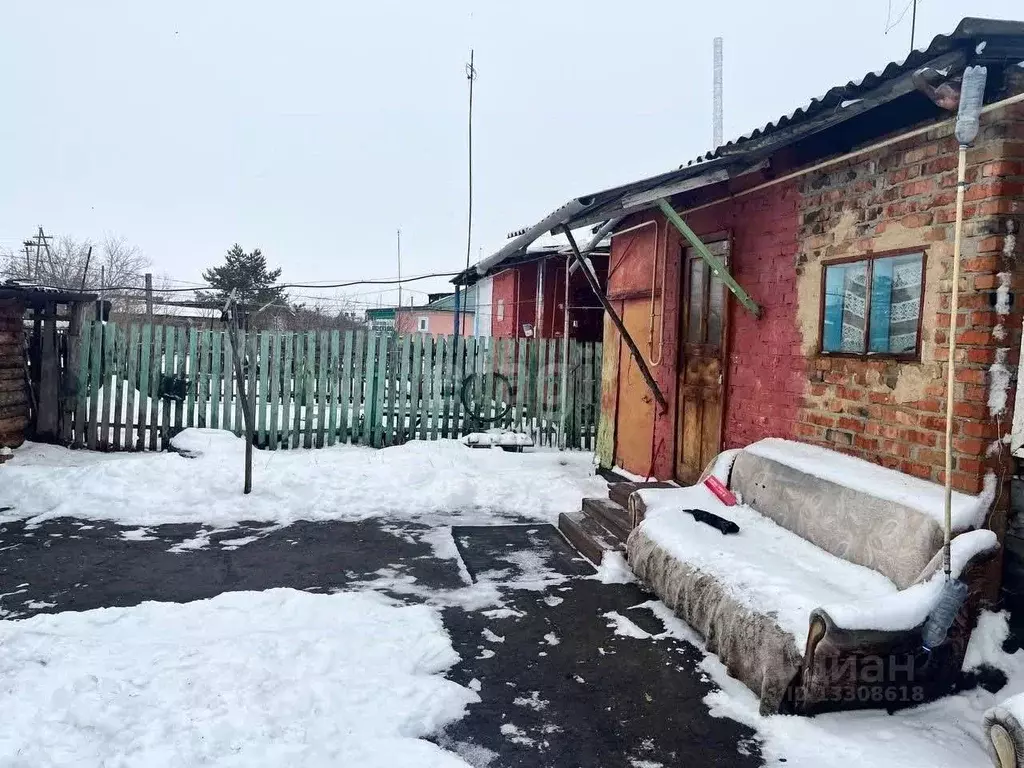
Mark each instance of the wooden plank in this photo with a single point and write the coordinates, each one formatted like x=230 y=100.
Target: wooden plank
x=106 y=384
x=251 y=369
x=402 y=374
x=332 y=379
x=273 y=364
x=92 y=339
x=298 y=384
x=203 y=378
x=309 y=393
x=84 y=344
x=594 y=395
x=262 y=398
x=145 y=362
x=117 y=387
x=390 y=422
x=519 y=383
x=356 y=414
x=383 y=354
x=155 y=372
x=426 y=387
x=437 y=425
x=369 y=378
x=231 y=407
x=287 y=388
x=168 y=369
x=193 y=379
x=321 y=390
x=132 y=390
x=217 y=379
x=415 y=385
x=180 y=346
x=345 y=388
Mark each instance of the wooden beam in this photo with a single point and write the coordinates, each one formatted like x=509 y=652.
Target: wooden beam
x=634 y=350
x=716 y=264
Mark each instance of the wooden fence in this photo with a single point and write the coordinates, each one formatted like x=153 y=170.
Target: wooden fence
x=135 y=387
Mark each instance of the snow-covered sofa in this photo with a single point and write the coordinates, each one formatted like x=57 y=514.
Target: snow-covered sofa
x=818 y=602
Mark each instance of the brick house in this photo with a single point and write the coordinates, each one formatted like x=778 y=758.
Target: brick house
x=522 y=289
x=836 y=223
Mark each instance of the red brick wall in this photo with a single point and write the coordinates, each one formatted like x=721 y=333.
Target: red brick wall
x=13 y=397
x=765 y=377
x=902 y=198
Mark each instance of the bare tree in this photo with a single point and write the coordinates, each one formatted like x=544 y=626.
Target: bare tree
x=78 y=264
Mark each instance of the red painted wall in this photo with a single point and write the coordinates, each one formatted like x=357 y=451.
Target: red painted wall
x=503 y=309
x=765 y=377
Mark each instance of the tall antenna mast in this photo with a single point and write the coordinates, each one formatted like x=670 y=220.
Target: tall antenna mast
x=913 y=25
x=717 y=113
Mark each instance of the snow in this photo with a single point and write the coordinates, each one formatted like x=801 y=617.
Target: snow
x=613 y=569
x=943 y=734
x=927 y=497
x=252 y=679
x=909 y=608
x=767 y=567
x=420 y=480
x=998 y=383
x=499 y=437
x=624 y=626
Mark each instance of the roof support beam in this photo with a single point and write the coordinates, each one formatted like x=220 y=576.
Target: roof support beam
x=634 y=350
x=713 y=261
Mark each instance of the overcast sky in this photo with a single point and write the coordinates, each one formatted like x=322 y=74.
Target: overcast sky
x=313 y=130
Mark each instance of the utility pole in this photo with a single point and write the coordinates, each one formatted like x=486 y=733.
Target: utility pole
x=399 y=267
x=149 y=297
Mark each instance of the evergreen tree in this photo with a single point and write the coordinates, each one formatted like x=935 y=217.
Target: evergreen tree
x=246 y=273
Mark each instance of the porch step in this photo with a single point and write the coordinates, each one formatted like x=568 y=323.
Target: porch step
x=588 y=536
x=619 y=492
x=610 y=515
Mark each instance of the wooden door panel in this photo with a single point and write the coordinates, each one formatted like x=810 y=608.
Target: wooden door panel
x=634 y=428
x=700 y=392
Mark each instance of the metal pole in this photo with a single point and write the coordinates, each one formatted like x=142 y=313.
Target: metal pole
x=913 y=25
x=149 y=297
x=634 y=350
x=399 y=268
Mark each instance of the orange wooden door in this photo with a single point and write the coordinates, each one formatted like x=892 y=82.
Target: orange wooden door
x=634 y=429
x=700 y=383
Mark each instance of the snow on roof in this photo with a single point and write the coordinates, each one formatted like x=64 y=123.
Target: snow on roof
x=859 y=475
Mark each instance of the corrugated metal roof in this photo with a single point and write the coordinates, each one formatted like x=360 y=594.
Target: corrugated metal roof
x=969 y=29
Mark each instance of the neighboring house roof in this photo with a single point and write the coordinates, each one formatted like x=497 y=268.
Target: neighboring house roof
x=975 y=41
x=39 y=294
x=545 y=245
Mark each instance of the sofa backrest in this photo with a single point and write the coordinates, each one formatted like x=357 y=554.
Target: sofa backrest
x=888 y=537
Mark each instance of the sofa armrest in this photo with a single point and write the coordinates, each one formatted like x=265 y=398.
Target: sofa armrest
x=873 y=648
x=907 y=609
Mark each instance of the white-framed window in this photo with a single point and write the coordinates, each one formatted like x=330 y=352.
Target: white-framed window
x=422 y=324
x=501 y=310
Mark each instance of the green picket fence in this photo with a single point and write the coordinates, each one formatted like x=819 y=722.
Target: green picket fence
x=138 y=386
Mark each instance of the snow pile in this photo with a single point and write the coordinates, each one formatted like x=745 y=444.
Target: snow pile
x=500 y=437
x=857 y=474
x=943 y=734
x=910 y=607
x=417 y=480
x=246 y=679
x=613 y=569
x=767 y=568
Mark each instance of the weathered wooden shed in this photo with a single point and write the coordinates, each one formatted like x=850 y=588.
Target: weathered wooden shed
x=37 y=329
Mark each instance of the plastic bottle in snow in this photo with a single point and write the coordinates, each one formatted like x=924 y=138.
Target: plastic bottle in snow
x=936 y=627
